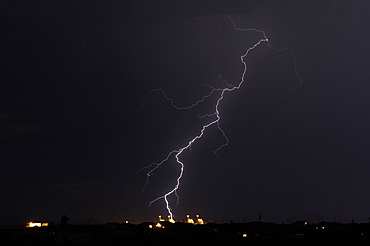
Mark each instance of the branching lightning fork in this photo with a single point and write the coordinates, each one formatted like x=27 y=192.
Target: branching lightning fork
x=177 y=152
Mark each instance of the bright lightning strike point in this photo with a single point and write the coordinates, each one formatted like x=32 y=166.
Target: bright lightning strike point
x=177 y=152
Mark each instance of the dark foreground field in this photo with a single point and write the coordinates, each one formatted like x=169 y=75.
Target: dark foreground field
x=180 y=233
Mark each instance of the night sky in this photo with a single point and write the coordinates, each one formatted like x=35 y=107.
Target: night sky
x=74 y=129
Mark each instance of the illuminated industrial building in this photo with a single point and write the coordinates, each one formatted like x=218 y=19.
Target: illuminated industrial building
x=198 y=221
x=158 y=225
x=171 y=220
x=37 y=224
x=189 y=220
x=160 y=219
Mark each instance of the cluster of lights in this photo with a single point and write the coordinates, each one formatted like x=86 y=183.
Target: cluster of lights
x=37 y=224
x=169 y=219
x=199 y=221
x=158 y=225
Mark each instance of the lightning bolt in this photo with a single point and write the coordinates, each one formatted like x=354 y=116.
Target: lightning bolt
x=290 y=91
x=216 y=114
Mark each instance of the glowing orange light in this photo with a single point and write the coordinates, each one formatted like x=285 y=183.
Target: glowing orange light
x=160 y=218
x=158 y=225
x=37 y=224
x=200 y=221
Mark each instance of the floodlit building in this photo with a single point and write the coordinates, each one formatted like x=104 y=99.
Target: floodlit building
x=189 y=220
x=199 y=220
x=158 y=225
x=37 y=224
x=160 y=219
x=171 y=220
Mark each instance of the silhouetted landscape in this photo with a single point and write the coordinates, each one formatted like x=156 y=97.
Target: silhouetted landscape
x=147 y=233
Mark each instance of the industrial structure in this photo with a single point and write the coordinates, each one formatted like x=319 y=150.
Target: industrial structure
x=198 y=220
x=37 y=224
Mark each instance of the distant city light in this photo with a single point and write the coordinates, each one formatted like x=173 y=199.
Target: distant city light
x=37 y=224
x=198 y=221
x=189 y=220
x=159 y=225
x=170 y=219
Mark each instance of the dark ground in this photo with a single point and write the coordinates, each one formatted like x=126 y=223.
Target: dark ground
x=141 y=234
